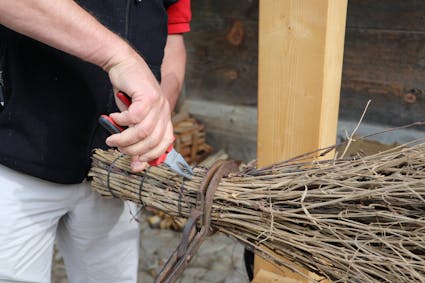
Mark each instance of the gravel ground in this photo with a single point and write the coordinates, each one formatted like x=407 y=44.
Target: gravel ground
x=219 y=260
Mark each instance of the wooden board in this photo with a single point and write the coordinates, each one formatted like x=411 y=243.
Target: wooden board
x=270 y=277
x=232 y=128
x=300 y=62
x=301 y=46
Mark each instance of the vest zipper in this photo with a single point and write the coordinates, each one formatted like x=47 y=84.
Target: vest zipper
x=127 y=19
x=126 y=34
x=111 y=100
x=2 y=59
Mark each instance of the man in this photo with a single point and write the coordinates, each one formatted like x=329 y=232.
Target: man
x=61 y=63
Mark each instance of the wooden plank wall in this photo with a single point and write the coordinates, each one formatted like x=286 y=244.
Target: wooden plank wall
x=384 y=60
x=222 y=48
x=221 y=80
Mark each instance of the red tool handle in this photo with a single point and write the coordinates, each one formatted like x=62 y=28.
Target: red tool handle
x=162 y=158
x=114 y=128
x=124 y=98
x=110 y=125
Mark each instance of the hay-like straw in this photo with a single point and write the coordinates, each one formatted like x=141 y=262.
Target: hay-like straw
x=356 y=220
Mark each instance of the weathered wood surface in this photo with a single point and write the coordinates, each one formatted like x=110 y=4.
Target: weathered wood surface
x=384 y=59
x=406 y=15
x=222 y=48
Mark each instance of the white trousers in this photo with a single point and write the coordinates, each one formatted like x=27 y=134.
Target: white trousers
x=97 y=237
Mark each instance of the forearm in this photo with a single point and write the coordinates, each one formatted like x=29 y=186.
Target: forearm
x=66 y=26
x=173 y=68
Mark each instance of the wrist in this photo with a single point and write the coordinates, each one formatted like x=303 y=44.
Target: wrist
x=171 y=88
x=112 y=53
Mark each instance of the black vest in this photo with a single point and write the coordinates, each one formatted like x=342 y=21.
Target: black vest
x=49 y=126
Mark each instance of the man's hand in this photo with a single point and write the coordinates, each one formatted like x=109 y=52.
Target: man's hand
x=149 y=131
x=150 y=127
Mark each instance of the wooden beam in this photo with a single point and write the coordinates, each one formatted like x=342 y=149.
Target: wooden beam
x=300 y=64
x=267 y=276
x=301 y=46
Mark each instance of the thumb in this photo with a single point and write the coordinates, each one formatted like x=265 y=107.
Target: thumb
x=137 y=165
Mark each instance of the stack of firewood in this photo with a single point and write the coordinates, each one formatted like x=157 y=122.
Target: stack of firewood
x=190 y=138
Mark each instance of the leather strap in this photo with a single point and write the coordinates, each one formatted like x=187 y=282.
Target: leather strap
x=193 y=237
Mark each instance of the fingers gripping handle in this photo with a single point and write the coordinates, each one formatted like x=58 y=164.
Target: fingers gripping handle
x=110 y=125
x=162 y=158
x=124 y=98
x=107 y=121
x=114 y=128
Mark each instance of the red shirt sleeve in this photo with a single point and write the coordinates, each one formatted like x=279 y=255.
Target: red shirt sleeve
x=179 y=16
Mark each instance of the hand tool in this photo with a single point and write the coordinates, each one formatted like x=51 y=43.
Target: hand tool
x=1 y=97
x=171 y=157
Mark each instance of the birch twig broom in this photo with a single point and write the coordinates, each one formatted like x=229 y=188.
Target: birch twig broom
x=351 y=220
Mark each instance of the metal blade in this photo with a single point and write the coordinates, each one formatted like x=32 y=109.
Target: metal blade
x=177 y=163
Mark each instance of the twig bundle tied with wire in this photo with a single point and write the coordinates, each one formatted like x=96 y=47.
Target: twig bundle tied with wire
x=352 y=220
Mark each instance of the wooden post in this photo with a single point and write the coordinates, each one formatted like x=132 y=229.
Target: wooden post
x=301 y=46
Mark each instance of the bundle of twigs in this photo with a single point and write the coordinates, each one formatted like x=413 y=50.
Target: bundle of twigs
x=350 y=220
